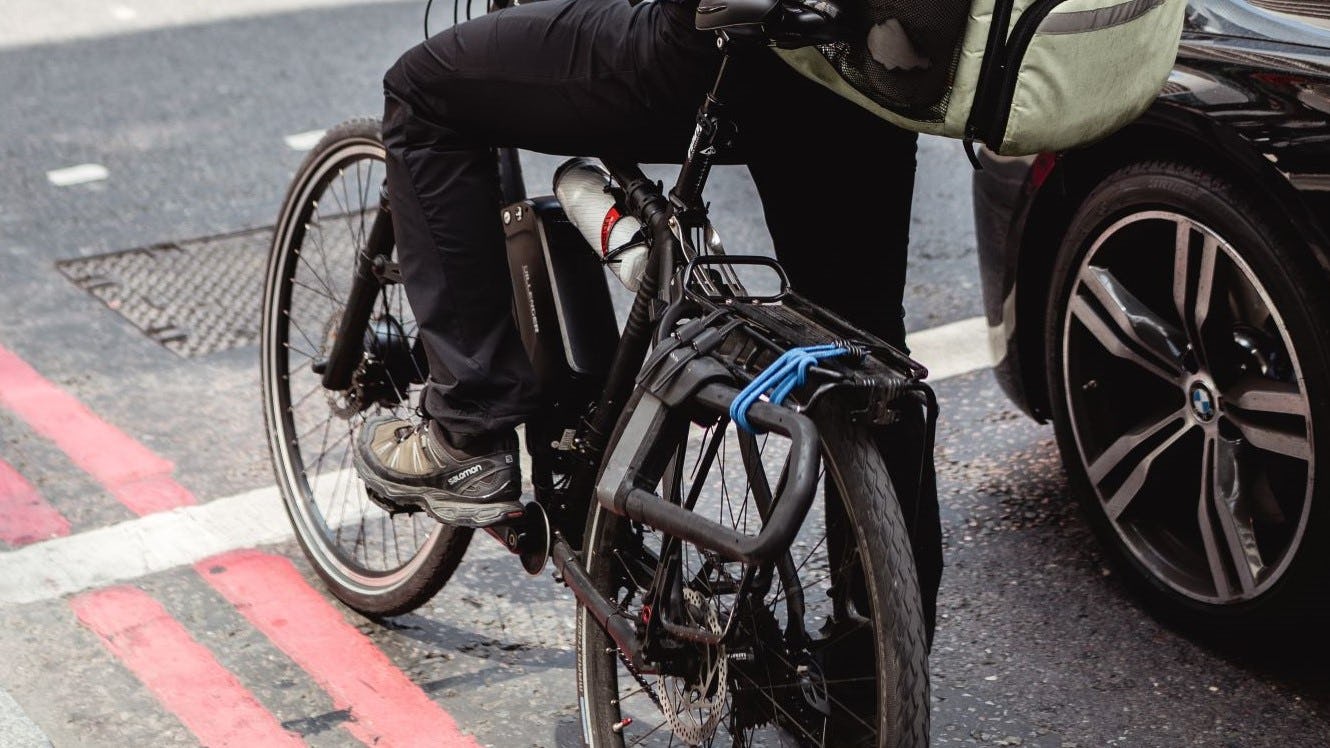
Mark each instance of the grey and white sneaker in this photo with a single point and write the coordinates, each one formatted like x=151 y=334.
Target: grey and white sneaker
x=407 y=464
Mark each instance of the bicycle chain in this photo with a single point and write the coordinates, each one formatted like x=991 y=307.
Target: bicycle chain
x=647 y=688
x=645 y=685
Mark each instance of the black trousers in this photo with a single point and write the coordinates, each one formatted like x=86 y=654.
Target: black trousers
x=610 y=78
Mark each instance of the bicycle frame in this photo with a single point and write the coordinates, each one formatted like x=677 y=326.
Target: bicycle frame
x=554 y=523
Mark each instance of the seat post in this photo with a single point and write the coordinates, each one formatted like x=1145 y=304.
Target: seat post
x=712 y=134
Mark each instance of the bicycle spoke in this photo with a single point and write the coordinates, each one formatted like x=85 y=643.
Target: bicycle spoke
x=647 y=734
x=321 y=292
x=360 y=192
x=811 y=551
x=303 y=398
x=711 y=472
x=325 y=279
x=356 y=544
x=303 y=335
x=346 y=210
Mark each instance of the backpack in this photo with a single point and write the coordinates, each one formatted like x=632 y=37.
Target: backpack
x=1020 y=76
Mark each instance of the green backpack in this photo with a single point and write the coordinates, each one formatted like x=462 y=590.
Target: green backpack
x=1020 y=76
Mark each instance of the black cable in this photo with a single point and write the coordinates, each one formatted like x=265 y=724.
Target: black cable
x=425 y=44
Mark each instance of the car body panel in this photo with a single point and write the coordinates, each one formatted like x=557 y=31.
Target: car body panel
x=1249 y=95
x=1305 y=22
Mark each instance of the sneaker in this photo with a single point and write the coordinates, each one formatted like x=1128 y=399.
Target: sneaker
x=408 y=464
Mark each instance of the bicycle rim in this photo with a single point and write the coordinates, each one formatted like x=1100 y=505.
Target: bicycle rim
x=366 y=553
x=770 y=684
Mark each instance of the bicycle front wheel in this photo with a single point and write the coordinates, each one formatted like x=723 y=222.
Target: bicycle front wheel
x=827 y=644
x=379 y=563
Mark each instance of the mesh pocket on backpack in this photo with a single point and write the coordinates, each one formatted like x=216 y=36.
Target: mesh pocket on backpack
x=907 y=61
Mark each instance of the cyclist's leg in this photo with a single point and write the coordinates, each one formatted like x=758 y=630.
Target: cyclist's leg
x=572 y=77
x=836 y=184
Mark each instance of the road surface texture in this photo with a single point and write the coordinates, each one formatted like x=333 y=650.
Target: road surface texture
x=150 y=592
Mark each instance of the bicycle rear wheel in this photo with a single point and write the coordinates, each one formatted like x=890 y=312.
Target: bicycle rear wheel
x=377 y=562
x=829 y=644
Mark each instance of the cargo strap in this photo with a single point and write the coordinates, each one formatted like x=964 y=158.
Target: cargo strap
x=779 y=379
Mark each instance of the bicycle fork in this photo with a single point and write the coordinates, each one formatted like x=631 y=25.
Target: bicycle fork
x=373 y=269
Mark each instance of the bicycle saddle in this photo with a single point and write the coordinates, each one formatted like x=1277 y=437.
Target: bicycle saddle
x=785 y=23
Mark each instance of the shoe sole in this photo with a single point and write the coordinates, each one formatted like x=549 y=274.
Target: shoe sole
x=443 y=506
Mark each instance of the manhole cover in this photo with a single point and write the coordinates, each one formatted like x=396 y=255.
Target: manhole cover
x=194 y=297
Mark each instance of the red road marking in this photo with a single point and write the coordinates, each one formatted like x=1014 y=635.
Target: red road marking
x=136 y=476
x=389 y=710
x=24 y=516
x=180 y=672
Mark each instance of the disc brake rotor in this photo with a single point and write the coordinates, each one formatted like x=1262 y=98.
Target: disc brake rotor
x=694 y=709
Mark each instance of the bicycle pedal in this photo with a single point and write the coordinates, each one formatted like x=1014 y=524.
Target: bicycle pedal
x=525 y=533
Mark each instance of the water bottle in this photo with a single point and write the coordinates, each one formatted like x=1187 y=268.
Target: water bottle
x=583 y=190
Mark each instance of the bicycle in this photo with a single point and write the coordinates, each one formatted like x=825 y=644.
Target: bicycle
x=706 y=478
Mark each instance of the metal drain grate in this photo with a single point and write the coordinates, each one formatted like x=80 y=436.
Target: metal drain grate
x=195 y=297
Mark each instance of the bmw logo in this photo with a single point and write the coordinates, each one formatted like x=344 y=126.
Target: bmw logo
x=1202 y=403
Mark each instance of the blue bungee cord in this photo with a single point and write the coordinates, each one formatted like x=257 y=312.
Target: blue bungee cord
x=779 y=379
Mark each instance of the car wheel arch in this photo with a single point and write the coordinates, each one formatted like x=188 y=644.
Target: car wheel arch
x=1180 y=137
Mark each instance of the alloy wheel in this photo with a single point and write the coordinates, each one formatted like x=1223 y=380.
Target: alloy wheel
x=1188 y=407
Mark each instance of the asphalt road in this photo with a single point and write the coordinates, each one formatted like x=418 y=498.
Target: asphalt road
x=187 y=107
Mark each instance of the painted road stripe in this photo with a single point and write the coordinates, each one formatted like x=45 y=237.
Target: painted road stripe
x=303 y=141
x=132 y=473
x=24 y=516
x=184 y=676
x=80 y=174
x=953 y=349
x=46 y=22
x=136 y=548
x=387 y=709
x=16 y=730
x=155 y=543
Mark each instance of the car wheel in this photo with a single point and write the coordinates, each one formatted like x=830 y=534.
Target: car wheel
x=1187 y=362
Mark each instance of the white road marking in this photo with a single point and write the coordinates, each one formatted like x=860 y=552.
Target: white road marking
x=303 y=141
x=52 y=21
x=80 y=174
x=953 y=349
x=135 y=548
x=16 y=729
x=159 y=542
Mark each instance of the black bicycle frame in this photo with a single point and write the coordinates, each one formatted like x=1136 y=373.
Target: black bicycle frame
x=669 y=220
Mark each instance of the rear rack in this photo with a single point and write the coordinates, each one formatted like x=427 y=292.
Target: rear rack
x=747 y=332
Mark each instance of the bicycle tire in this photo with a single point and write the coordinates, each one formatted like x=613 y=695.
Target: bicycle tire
x=434 y=550
x=888 y=584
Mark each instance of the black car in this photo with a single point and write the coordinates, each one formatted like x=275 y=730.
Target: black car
x=1162 y=295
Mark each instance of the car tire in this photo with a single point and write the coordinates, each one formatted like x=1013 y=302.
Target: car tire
x=1186 y=356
